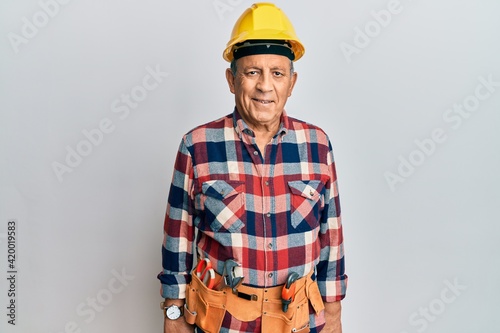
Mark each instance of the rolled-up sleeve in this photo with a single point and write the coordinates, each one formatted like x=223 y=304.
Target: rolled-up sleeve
x=331 y=276
x=177 y=256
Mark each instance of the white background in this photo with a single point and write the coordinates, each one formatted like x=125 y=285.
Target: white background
x=405 y=243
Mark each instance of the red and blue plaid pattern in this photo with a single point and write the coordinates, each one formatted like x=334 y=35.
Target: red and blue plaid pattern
x=274 y=212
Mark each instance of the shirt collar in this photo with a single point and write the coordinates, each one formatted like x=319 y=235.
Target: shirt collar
x=240 y=126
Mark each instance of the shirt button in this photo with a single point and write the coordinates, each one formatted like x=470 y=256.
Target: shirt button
x=256 y=152
x=268 y=214
x=270 y=275
x=267 y=183
x=270 y=245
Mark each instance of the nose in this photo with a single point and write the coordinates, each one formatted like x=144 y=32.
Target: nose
x=265 y=83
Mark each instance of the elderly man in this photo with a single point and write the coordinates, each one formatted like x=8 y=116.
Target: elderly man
x=252 y=237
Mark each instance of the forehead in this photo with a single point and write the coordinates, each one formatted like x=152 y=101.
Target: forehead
x=264 y=61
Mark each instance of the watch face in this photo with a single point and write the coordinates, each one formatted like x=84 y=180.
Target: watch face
x=173 y=312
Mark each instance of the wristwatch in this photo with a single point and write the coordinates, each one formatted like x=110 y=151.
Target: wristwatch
x=172 y=312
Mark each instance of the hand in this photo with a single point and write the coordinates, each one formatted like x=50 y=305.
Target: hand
x=177 y=326
x=332 y=317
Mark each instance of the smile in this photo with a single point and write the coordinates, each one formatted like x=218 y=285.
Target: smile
x=263 y=101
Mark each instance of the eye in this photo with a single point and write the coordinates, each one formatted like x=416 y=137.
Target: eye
x=252 y=73
x=278 y=73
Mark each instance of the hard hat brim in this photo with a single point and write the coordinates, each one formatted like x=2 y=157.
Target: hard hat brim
x=297 y=47
x=258 y=46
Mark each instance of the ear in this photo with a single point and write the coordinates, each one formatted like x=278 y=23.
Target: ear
x=293 y=80
x=230 y=80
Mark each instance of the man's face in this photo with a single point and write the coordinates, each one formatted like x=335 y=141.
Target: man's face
x=262 y=85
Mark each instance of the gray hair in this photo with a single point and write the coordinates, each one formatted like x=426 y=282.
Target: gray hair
x=234 y=68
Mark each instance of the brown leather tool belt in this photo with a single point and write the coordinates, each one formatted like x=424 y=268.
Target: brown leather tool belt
x=206 y=307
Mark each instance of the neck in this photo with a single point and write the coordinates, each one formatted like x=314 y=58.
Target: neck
x=262 y=139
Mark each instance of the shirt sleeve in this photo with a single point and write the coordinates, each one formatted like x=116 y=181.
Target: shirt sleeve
x=177 y=256
x=331 y=276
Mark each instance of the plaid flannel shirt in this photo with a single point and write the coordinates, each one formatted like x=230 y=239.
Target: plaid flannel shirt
x=274 y=212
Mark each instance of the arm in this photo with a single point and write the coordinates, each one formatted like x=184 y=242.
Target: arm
x=177 y=256
x=332 y=280
x=332 y=317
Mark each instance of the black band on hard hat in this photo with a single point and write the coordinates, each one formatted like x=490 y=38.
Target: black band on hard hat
x=259 y=46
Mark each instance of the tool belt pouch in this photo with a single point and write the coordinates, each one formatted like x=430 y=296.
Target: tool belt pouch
x=204 y=307
x=274 y=320
x=296 y=319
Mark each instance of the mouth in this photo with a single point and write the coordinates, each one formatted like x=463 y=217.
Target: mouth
x=262 y=101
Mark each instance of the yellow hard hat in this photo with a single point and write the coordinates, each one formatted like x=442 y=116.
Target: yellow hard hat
x=264 y=21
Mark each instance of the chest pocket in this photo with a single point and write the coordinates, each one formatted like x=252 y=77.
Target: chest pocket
x=307 y=201
x=223 y=205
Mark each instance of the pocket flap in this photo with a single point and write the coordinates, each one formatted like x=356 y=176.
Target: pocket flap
x=309 y=189
x=221 y=189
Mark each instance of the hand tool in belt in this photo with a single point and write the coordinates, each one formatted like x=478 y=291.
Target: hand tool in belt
x=233 y=277
x=206 y=273
x=288 y=291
